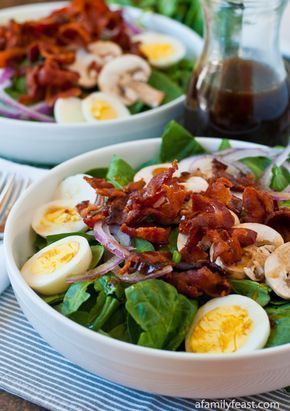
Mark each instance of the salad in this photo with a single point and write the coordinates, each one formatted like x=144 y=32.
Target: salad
x=87 y=63
x=188 y=252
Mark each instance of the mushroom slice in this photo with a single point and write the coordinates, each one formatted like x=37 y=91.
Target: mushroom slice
x=277 y=271
x=106 y=51
x=254 y=256
x=196 y=184
x=86 y=65
x=126 y=77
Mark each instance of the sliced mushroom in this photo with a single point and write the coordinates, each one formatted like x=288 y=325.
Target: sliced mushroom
x=196 y=184
x=126 y=77
x=254 y=256
x=106 y=51
x=86 y=65
x=277 y=271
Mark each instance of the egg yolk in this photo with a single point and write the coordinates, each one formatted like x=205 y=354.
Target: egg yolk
x=101 y=110
x=159 y=170
x=60 y=215
x=222 y=330
x=55 y=258
x=157 y=51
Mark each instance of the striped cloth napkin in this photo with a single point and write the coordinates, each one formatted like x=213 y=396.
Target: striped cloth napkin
x=32 y=370
x=22 y=171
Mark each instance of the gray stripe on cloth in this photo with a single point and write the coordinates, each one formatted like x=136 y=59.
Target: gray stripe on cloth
x=31 y=369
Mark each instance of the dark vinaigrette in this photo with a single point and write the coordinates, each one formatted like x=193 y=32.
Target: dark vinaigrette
x=241 y=99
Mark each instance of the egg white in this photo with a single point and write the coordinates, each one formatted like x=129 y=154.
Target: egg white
x=68 y=111
x=50 y=283
x=43 y=227
x=76 y=189
x=153 y=38
x=260 y=332
x=147 y=173
x=112 y=101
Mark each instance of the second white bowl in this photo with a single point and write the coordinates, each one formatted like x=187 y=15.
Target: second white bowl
x=46 y=143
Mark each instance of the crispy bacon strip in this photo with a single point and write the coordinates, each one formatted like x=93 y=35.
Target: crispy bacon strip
x=156 y=235
x=146 y=263
x=257 y=205
x=10 y=57
x=50 y=44
x=196 y=282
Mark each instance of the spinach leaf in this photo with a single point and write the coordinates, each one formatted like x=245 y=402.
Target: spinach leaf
x=110 y=306
x=98 y=172
x=110 y=285
x=225 y=144
x=142 y=245
x=97 y=252
x=137 y=107
x=285 y=203
x=120 y=332
x=53 y=238
x=257 y=291
x=18 y=88
x=280 y=325
x=162 y=82
x=39 y=243
x=75 y=296
x=54 y=299
x=176 y=256
x=257 y=164
x=167 y=7
x=163 y=314
x=134 y=329
x=280 y=179
x=120 y=173
x=178 y=143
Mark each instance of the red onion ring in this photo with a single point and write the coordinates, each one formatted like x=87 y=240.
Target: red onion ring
x=97 y=272
x=103 y=235
x=137 y=277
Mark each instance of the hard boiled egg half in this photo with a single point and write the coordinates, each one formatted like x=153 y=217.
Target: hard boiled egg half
x=161 y=50
x=57 y=217
x=100 y=106
x=228 y=325
x=68 y=110
x=76 y=189
x=48 y=270
x=194 y=184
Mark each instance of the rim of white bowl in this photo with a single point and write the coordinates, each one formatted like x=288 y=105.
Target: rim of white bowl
x=198 y=41
x=114 y=343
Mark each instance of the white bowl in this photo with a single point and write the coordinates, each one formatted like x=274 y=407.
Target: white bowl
x=46 y=143
x=156 y=371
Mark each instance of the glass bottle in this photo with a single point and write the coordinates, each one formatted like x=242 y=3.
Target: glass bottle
x=239 y=88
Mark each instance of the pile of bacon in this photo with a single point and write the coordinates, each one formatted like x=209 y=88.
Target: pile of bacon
x=152 y=211
x=41 y=50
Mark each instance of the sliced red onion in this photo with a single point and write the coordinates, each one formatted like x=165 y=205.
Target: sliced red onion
x=22 y=109
x=4 y=112
x=241 y=153
x=135 y=30
x=103 y=235
x=283 y=157
x=187 y=164
x=5 y=75
x=42 y=108
x=137 y=277
x=284 y=196
x=97 y=272
x=123 y=238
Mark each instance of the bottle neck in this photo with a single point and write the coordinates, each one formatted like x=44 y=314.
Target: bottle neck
x=247 y=29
